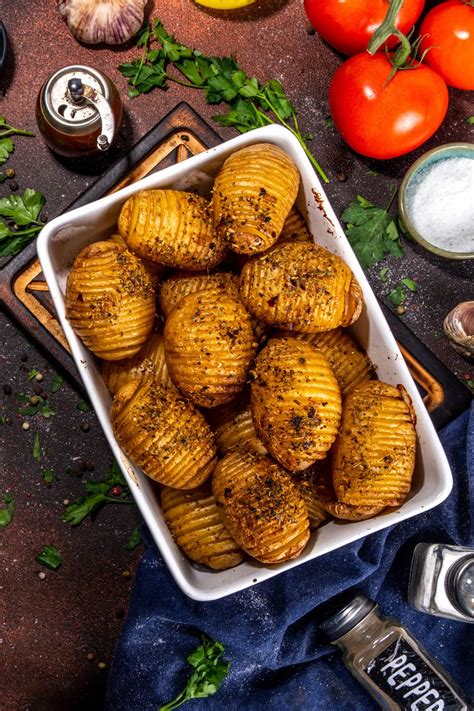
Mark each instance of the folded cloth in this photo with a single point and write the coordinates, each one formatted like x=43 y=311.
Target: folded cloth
x=279 y=658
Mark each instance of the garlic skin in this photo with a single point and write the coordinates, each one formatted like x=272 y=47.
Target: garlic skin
x=459 y=328
x=109 y=21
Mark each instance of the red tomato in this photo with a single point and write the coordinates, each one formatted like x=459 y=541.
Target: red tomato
x=450 y=30
x=383 y=120
x=348 y=25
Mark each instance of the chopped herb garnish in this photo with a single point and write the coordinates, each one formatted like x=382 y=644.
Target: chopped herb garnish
x=397 y=296
x=208 y=675
x=383 y=274
x=134 y=540
x=49 y=557
x=48 y=476
x=470 y=382
x=98 y=494
x=3 y=419
x=372 y=231
x=56 y=383
x=329 y=122
x=410 y=284
x=251 y=104
x=37 y=448
x=7 y=511
x=84 y=407
x=35 y=404
x=470 y=120
x=33 y=373
x=373 y=172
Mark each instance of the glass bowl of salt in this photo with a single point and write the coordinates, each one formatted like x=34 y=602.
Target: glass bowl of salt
x=436 y=200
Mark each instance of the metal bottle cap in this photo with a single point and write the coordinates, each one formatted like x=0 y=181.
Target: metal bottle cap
x=77 y=100
x=460 y=585
x=347 y=617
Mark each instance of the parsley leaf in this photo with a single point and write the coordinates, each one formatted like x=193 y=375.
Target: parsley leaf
x=470 y=120
x=50 y=557
x=56 y=383
x=23 y=211
x=84 y=407
x=134 y=540
x=397 y=296
x=37 y=448
x=33 y=373
x=7 y=513
x=208 y=675
x=371 y=231
x=383 y=274
x=97 y=494
x=6 y=147
x=410 y=284
x=48 y=476
x=220 y=78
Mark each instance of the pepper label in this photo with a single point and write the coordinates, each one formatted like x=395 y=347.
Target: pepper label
x=406 y=678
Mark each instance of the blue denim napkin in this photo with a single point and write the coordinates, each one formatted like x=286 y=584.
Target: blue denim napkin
x=279 y=659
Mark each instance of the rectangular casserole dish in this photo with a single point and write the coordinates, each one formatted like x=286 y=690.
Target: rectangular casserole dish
x=64 y=237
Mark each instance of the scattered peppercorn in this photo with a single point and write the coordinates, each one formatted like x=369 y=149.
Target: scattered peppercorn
x=13 y=185
x=8 y=420
x=10 y=173
x=39 y=377
x=102 y=665
x=38 y=390
x=90 y=466
x=66 y=502
x=85 y=427
x=116 y=490
x=42 y=576
x=34 y=400
x=342 y=177
x=23 y=357
x=400 y=310
x=26 y=425
x=7 y=389
x=90 y=656
x=126 y=574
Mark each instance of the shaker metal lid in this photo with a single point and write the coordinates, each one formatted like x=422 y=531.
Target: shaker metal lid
x=347 y=617
x=61 y=111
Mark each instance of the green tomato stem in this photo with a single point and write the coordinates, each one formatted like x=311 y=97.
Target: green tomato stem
x=386 y=30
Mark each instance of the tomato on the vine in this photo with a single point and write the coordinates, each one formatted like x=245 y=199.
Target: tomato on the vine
x=385 y=119
x=449 y=30
x=347 y=25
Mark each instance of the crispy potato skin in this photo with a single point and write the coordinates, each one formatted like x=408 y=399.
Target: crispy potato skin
x=295 y=229
x=324 y=492
x=253 y=194
x=296 y=402
x=307 y=484
x=110 y=300
x=163 y=434
x=261 y=507
x=237 y=431
x=149 y=362
x=181 y=284
x=350 y=364
x=196 y=525
x=172 y=228
x=302 y=287
x=374 y=454
x=209 y=345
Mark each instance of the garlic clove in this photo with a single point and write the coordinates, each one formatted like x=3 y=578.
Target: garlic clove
x=109 y=21
x=459 y=328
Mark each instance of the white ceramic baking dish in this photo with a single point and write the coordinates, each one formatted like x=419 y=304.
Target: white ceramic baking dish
x=62 y=239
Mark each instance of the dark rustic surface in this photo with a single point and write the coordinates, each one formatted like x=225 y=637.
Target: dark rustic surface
x=49 y=626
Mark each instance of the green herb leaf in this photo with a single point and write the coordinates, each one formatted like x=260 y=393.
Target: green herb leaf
x=33 y=373
x=410 y=284
x=97 y=494
x=37 y=448
x=469 y=382
x=50 y=557
x=134 y=540
x=48 y=476
x=383 y=274
x=56 y=383
x=470 y=120
x=329 y=122
x=371 y=231
x=208 y=675
x=84 y=407
x=7 y=512
x=22 y=209
x=397 y=296
x=47 y=411
x=6 y=147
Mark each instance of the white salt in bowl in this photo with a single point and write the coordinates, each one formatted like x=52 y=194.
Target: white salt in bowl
x=436 y=200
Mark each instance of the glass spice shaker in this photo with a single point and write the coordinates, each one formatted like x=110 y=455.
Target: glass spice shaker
x=389 y=662
x=442 y=581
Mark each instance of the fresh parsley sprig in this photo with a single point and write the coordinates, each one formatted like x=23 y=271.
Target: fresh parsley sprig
x=251 y=104
x=97 y=495
x=372 y=231
x=208 y=675
x=22 y=214
x=6 y=144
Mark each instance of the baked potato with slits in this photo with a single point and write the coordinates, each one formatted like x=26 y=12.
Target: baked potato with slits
x=261 y=507
x=110 y=300
x=374 y=454
x=171 y=228
x=236 y=430
x=196 y=525
x=163 y=434
x=350 y=364
x=296 y=402
x=253 y=194
x=301 y=287
x=149 y=362
x=306 y=483
x=295 y=228
x=181 y=284
x=209 y=345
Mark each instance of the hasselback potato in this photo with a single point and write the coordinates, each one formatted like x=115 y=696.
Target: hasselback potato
x=181 y=284
x=324 y=491
x=374 y=454
x=350 y=364
x=295 y=229
x=296 y=402
x=163 y=434
x=172 y=228
x=149 y=362
x=307 y=484
x=253 y=194
x=110 y=300
x=236 y=430
x=260 y=506
x=209 y=345
x=302 y=287
x=196 y=525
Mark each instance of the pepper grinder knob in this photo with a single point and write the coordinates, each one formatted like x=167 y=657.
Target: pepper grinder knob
x=76 y=89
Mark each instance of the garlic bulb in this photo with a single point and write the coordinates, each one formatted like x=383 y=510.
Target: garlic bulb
x=109 y=21
x=459 y=328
